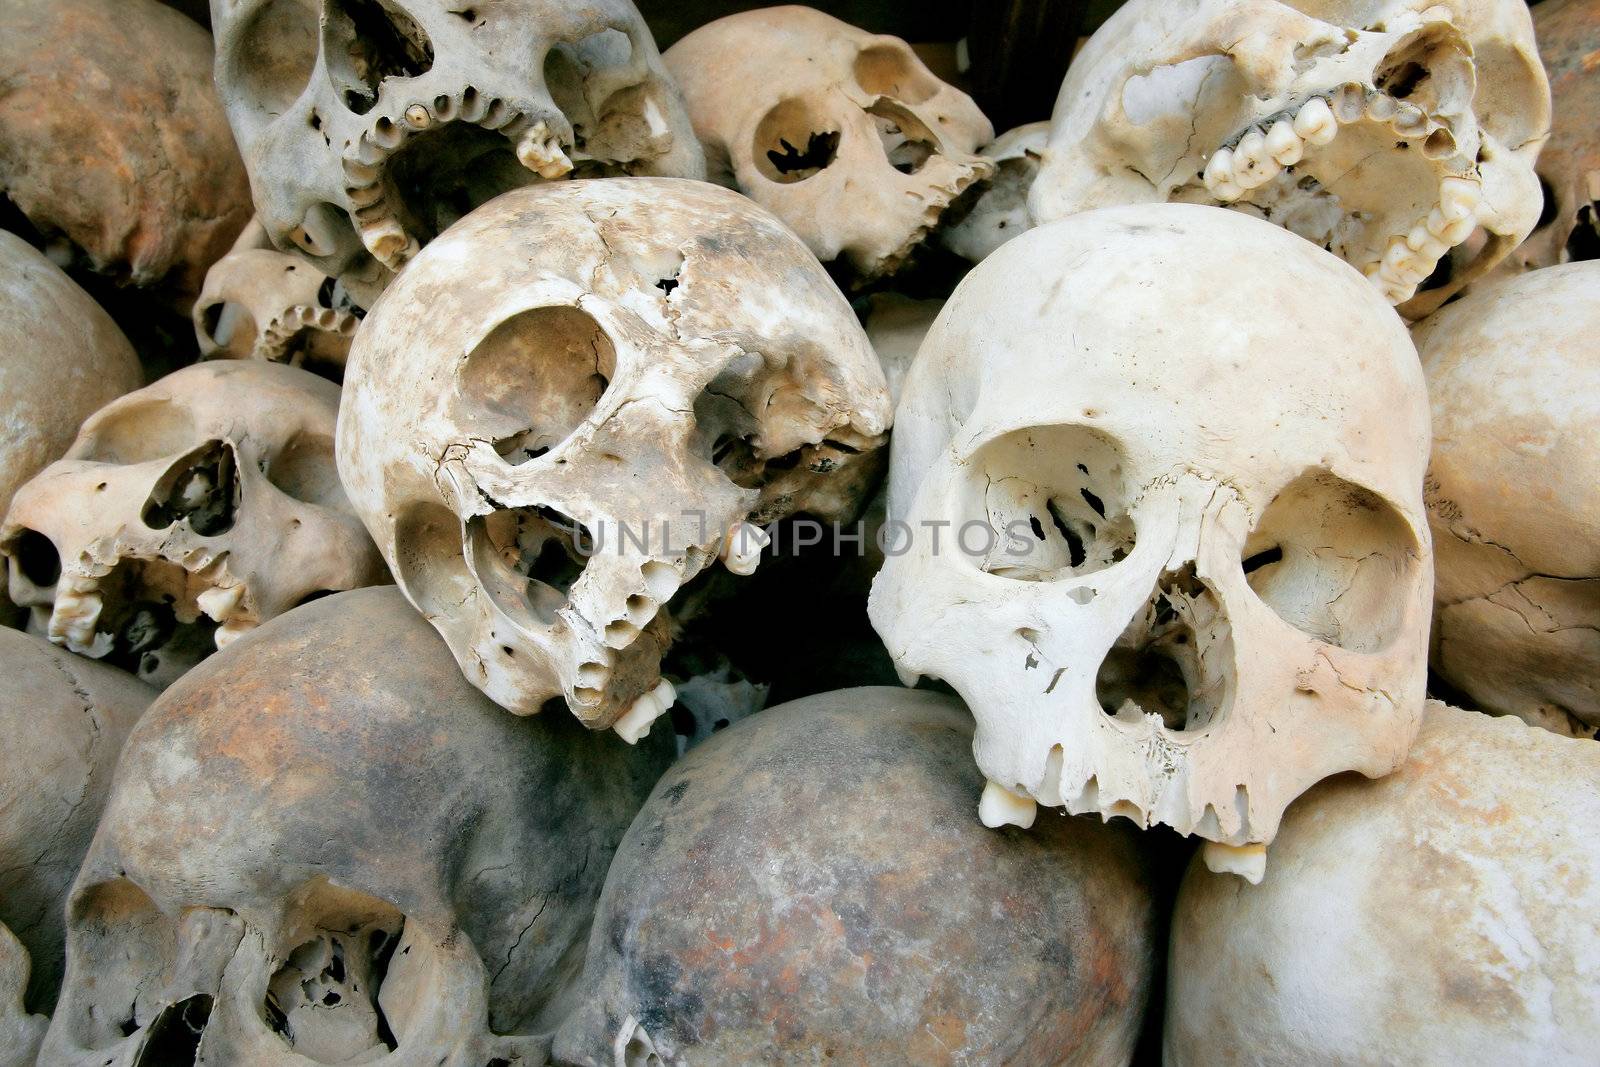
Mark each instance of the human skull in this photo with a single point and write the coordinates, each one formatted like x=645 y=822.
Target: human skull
x=185 y=514
x=632 y=376
x=259 y=303
x=844 y=135
x=323 y=846
x=368 y=126
x=1184 y=569
x=1000 y=211
x=1511 y=495
x=113 y=142
x=1380 y=132
x=896 y=326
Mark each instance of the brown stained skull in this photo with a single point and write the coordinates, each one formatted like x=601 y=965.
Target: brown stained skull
x=184 y=515
x=113 y=142
x=368 y=126
x=575 y=401
x=324 y=847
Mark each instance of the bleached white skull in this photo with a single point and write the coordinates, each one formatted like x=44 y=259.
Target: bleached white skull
x=259 y=303
x=1163 y=522
x=844 y=135
x=576 y=400
x=185 y=514
x=323 y=846
x=1000 y=211
x=1382 y=130
x=368 y=126
x=1513 y=381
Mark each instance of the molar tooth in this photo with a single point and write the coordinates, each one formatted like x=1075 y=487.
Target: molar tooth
x=1247 y=861
x=741 y=552
x=1315 y=122
x=1450 y=232
x=218 y=603
x=1459 y=198
x=1219 y=176
x=73 y=618
x=637 y=720
x=1419 y=240
x=1401 y=260
x=1284 y=145
x=999 y=807
x=541 y=152
x=1253 y=166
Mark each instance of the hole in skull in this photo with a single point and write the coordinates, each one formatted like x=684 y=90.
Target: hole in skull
x=1584 y=241
x=527 y=559
x=1174 y=660
x=1335 y=561
x=276 y=63
x=907 y=143
x=442 y=174
x=35 y=556
x=201 y=487
x=893 y=71
x=175 y=1035
x=536 y=377
x=794 y=141
x=369 y=42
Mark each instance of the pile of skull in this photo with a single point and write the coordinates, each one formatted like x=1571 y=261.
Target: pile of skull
x=344 y=695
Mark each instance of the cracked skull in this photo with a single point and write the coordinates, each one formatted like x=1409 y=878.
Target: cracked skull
x=185 y=514
x=325 y=847
x=368 y=126
x=1166 y=536
x=1381 y=133
x=1512 y=496
x=633 y=376
x=844 y=135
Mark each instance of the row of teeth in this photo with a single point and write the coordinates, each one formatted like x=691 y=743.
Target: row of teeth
x=376 y=219
x=79 y=604
x=1258 y=157
x=280 y=333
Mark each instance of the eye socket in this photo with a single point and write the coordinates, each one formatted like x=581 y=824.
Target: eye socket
x=369 y=43
x=278 y=54
x=137 y=432
x=907 y=143
x=119 y=932
x=575 y=74
x=306 y=470
x=1045 y=504
x=1335 y=561
x=795 y=141
x=429 y=562
x=893 y=71
x=536 y=377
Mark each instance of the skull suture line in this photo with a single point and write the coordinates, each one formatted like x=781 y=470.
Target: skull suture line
x=1383 y=134
x=368 y=126
x=574 y=401
x=1207 y=585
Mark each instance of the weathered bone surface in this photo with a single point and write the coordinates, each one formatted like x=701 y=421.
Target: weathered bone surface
x=64 y=360
x=323 y=846
x=1000 y=211
x=844 y=135
x=113 y=142
x=581 y=397
x=1512 y=496
x=184 y=515
x=63 y=720
x=810 y=885
x=1442 y=915
x=369 y=136
x=1184 y=567
x=1384 y=134
x=896 y=326
x=259 y=303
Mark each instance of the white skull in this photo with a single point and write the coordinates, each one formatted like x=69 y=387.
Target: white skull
x=208 y=501
x=1512 y=498
x=259 y=303
x=325 y=847
x=1000 y=211
x=368 y=126
x=629 y=370
x=1184 y=572
x=1380 y=130
x=844 y=135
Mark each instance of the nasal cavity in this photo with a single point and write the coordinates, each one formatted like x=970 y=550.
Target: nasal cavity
x=381 y=42
x=175 y=1034
x=1174 y=659
x=202 y=487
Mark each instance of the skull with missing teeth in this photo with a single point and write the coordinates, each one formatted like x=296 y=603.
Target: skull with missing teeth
x=185 y=514
x=1167 y=535
x=1380 y=132
x=368 y=126
x=575 y=401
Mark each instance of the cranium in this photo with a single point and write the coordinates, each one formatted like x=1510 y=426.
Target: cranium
x=259 y=303
x=1183 y=570
x=113 y=143
x=1379 y=130
x=324 y=847
x=368 y=126
x=64 y=720
x=844 y=135
x=1000 y=210
x=185 y=514
x=632 y=376
x=1511 y=495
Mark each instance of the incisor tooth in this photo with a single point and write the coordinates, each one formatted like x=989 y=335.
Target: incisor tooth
x=999 y=806
x=231 y=631
x=1284 y=145
x=1419 y=240
x=1315 y=122
x=637 y=720
x=1247 y=861
x=218 y=603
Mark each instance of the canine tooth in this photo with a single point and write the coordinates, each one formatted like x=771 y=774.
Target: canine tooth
x=231 y=631
x=999 y=807
x=637 y=720
x=1315 y=122
x=1219 y=175
x=1459 y=198
x=218 y=603
x=1253 y=166
x=1421 y=241
x=741 y=552
x=1284 y=145
x=1247 y=861
x=541 y=153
